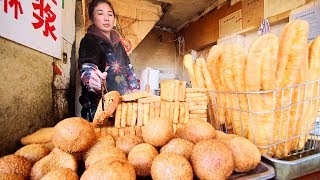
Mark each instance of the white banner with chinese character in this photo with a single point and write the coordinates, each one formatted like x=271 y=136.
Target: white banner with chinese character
x=33 y=23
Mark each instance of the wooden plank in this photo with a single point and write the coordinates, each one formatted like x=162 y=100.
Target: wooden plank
x=204 y=31
x=283 y=17
x=230 y=24
x=275 y=7
x=252 y=12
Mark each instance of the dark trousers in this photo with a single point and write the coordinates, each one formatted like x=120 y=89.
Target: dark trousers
x=88 y=113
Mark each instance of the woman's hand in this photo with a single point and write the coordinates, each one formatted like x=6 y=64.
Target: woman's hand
x=135 y=90
x=95 y=80
x=91 y=77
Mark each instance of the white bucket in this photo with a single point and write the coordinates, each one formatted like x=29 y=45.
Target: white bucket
x=153 y=79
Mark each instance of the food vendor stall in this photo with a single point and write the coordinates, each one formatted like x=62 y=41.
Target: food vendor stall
x=229 y=89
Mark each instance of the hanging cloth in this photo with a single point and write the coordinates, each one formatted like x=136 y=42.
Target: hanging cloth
x=264 y=27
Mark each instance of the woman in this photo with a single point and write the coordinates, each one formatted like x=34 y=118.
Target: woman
x=102 y=57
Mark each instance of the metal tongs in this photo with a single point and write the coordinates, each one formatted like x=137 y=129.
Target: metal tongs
x=104 y=90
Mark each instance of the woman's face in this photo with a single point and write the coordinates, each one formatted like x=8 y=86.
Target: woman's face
x=103 y=17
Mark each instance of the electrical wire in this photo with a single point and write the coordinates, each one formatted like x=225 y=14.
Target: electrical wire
x=181 y=51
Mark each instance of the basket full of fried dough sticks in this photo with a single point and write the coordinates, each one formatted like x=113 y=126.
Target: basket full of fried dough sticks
x=269 y=95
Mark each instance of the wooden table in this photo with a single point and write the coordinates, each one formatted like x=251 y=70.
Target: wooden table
x=313 y=176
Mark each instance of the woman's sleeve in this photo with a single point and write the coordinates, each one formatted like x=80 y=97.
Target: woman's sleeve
x=89 y=57
x=89 y=52
x=131 y=76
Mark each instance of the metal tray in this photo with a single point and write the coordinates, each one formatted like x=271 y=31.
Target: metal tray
x=262 y=171
x=297 y=165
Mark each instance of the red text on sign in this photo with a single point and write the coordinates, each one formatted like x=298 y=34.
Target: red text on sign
x=13 y=4
x=45 y=17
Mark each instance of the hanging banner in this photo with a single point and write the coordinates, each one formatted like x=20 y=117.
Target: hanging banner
x=33 y=23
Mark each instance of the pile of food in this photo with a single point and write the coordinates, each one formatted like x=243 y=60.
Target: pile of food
x=78 y=151
x=176 y=104
x=269 y=95
x=169 y=136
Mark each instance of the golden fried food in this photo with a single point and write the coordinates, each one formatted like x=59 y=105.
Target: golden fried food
x=15 y=164
x=211 y=159
x=179 y=146
x=126 y=143
x=74 y=134
x=196 y=130
x=246 y=156
x=171 y=166
x=111 y=100
x=43 y=135
x=33 y=152
x=110 y=169
x=55 y=160
x=141 y=157
x=157 y=132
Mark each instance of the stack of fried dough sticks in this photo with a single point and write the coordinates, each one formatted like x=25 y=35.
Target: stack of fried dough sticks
x=176 y=104
x=264 y=95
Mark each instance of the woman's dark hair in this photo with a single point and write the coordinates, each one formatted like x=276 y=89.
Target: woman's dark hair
x=94 y=3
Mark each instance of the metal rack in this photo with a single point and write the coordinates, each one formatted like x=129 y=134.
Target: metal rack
x=282 y=123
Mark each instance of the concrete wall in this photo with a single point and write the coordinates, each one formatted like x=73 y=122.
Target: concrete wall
x=80 y=32
x=64 y=83
x=31 y=94
x=26 y=93
x=157 y=52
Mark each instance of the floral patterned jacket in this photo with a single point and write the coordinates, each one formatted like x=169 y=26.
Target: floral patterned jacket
x=97 y=51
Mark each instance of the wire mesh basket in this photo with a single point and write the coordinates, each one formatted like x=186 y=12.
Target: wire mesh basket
x=280 y=122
